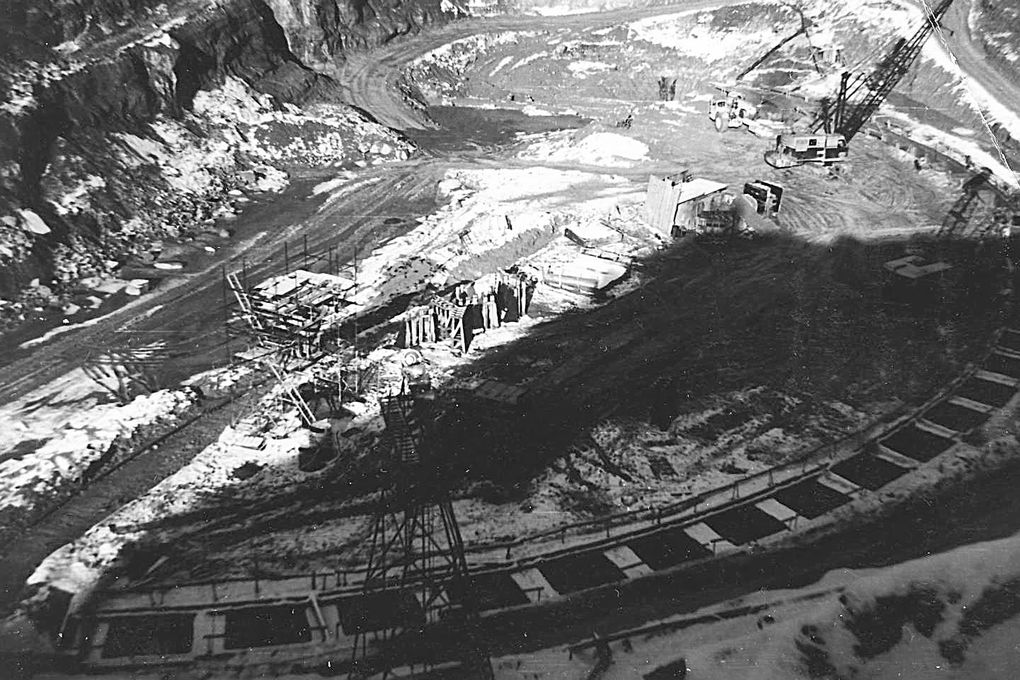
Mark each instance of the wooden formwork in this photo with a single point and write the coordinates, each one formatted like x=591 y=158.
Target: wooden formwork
x=465 y=312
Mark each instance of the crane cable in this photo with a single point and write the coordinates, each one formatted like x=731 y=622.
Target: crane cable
x=964 y=80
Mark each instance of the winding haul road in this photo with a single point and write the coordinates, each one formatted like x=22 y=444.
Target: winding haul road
x=369 y=79
x=193 y=305
x=380 y=203
x=973 y=60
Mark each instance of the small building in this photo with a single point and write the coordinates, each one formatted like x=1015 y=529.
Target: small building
x=674 y=202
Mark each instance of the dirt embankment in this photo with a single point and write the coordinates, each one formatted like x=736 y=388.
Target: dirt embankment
x=107 y=148
x=996 y=24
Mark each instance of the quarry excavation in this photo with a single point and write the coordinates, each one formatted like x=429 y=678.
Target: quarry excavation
x=490 y=339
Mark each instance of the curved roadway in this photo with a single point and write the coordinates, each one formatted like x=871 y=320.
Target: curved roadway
x=194 y=305
x=971 y=57
x=368 y=80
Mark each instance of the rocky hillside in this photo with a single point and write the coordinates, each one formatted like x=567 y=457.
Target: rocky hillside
x=125 y=122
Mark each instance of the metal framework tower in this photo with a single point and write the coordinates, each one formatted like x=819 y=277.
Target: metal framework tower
x=417 y=572
x=861 y=94
x=270 y=359
x=959 y=215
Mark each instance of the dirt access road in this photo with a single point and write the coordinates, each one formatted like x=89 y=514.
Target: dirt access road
x=378 y=204
x=971 y=58
x=369 y=79
x=192 y=305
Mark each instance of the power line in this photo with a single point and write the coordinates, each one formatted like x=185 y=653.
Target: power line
x=976 y=102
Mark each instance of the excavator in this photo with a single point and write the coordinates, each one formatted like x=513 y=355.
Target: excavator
x=858 y=97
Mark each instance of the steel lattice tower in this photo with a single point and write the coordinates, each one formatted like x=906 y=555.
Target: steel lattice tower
x=416 y=567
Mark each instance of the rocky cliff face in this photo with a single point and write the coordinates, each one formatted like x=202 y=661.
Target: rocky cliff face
x=319 y=30
x=100 y=108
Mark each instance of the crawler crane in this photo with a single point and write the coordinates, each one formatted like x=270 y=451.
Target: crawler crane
x=858 y=98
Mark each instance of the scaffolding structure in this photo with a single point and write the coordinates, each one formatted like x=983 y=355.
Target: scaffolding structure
x=289 y=316
x=417 y=573
x=301 y=310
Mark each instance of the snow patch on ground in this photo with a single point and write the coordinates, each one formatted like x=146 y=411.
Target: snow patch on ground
x=583 y=68
x=75 y=200
x=60 y=330
x=955 y=146
x=499 y=67
x=950 y=615
x=674 y=32
x=976 y=95
x=475 y=220
x=524 y=61
x=329 y=185
x=599 y=149
x=68 y=428
x=80 y=564
x=316 y=135
x=433 y=70
x=530 y=110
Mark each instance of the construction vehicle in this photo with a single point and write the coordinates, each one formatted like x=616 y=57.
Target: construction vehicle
x=731 y=111
x=767 y=196
x=681 y=204
x=858 y=97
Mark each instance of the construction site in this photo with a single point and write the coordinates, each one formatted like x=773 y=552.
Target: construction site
x=661 y=342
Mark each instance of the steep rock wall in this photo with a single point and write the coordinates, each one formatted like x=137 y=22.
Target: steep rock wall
x=318 y=31
x=76 y=75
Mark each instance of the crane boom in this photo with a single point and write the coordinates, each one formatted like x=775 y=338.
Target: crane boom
x=853 y=115
x=858 y=98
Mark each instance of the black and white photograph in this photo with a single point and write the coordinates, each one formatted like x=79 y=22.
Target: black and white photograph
x=509 y=339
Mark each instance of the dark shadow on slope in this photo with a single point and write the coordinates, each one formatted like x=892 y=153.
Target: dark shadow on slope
x=795 y=317
x=463 y=127
x=781 y=312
